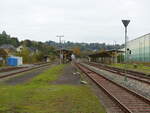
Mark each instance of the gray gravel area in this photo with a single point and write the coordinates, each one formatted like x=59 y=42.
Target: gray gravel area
x=139 y=87
x=24 y=77
x=69 y=76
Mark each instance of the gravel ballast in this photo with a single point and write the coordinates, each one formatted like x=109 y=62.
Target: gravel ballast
x=139 y=87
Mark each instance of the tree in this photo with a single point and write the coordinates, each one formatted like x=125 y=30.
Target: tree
x=26 y=43
x=7 y=39
x=25 y=54
x=4 y=33
x=14 y=41
x=3 y=53
x=76 y=51
x=39 y=56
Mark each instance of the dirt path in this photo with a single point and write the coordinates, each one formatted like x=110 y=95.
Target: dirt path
x=69 y=76
x=20 y=79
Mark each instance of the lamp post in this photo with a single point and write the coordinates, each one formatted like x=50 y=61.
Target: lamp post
x=60 y=55
x=125 y=23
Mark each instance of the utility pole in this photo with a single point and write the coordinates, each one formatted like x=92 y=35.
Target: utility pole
x=125 y=23
x=149 y=49
x=60 y=54
x=115 y=53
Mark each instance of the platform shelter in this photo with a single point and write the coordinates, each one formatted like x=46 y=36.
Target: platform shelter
x=65 y=55
x=106 y=57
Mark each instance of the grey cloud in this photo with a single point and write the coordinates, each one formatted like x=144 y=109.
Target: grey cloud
x=78 y=20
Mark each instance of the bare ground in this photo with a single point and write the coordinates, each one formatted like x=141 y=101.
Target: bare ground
x=69 y=76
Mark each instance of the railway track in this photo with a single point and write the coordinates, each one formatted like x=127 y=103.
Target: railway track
x=16 y=68
x=129 y=101
x=133 y=75
x=25 y=70
x=10 y=69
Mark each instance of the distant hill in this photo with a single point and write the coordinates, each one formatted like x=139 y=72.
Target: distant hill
x=84 y=46
x=7 y=39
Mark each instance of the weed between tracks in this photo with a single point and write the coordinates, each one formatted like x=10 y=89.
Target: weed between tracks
x=39 y=96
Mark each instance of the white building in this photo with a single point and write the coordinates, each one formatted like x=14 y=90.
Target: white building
x=140 y=49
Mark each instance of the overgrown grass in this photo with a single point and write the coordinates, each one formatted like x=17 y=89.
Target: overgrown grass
x=140 y=67
x=39 y=96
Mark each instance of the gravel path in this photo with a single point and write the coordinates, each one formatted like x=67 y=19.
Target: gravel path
x=69 y=76
x=24 y=77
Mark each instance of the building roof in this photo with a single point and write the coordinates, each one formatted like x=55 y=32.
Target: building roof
x=140 y=37
x=32 y=49
x=107 y=53
x=114 y=50
x=100 y=54
x=67 y=50
x=7 y=46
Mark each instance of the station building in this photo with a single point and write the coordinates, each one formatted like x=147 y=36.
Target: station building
x=140 y=49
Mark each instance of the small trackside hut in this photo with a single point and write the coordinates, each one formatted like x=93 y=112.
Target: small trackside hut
x=106 y=57
x=65 y=55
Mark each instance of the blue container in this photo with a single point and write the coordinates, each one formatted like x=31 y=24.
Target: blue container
x=12 y=61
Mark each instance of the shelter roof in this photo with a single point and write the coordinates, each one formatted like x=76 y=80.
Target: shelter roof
x=65 y=50
x=7 y=46
x=107 y=53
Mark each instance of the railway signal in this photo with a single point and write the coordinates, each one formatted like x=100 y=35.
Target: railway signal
x=126 y=23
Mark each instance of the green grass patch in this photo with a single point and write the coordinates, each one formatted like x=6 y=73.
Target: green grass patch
x=48 y=76
x=39 y=96
x=140 y=67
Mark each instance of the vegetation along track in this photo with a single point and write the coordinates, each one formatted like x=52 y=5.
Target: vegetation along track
x=130 y=74
x=129 y=101
x=25 y=70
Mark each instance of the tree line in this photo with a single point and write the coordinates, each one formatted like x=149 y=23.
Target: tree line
x=49 y=48
x=43 y=50
x=85 y=46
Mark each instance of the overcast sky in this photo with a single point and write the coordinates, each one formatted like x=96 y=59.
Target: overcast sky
x=78 y=20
